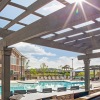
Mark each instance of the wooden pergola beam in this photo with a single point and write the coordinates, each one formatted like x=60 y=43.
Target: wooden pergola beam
x=4 y=32
x=12 y=20
x=93 y=55
x=33 y=7
x=52 y=23
x=52 y=44
x=63 y=2
x=3 y=3
x=17 y=5
x=24 y=8
x=75 y=31
x=90 y=40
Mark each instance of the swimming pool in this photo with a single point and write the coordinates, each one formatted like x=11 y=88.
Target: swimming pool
x=43 y=84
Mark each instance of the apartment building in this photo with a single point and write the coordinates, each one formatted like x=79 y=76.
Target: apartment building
x=17 y=65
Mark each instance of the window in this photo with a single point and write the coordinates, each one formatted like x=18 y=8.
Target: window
x=13 y=60
x=21 y=61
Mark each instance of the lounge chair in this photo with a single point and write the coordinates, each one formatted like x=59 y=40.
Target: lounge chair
x=80 y=94
x=57 y=77
x=60 y=78
x=49 y=77
x=19 y=92
x=11 y=93
x=60 y=89
x=41 y=78
x=45 y=77
x=74 y=88
x=38 y=77
x=47 y=90
x=32 y=91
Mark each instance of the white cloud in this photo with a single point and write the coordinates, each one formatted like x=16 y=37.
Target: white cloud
x=30 y=49
x=95 y=61
x=35 y=63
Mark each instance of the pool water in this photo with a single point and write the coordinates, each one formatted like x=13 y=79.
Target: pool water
x=43 y=84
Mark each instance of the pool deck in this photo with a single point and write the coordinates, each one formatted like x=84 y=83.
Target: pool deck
x=35 y=96
x=38 y=96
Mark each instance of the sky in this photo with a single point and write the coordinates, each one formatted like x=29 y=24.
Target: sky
x=53 y=58
x=36 y=54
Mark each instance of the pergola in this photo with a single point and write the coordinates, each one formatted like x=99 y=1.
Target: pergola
x=94 y=68
x=82 y=24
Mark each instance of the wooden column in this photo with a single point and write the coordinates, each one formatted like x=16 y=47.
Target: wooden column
x=94 y=72
x=87 y=74
x=6 y=52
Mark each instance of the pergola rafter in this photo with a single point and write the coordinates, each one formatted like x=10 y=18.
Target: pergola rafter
x=52 y=44
x=75 y=31
x=36 y=5
x=3 y=4
x=44 y=29
x=4 y=32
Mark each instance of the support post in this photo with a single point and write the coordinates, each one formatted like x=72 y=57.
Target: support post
x=87 y=74
x=6 y=73
x=72 y=69
x=21 y=67
x=94 y=72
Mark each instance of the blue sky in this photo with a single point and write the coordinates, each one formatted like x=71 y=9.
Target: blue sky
x=59 y=52
x=35 y=53
x=52 y=57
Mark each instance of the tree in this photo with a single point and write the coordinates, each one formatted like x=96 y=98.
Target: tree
x=65 y=69
x=33 y=71
x=43 y=68
x=91 y=74
x=81 y=74
x=67 y=74
x=55 y=71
